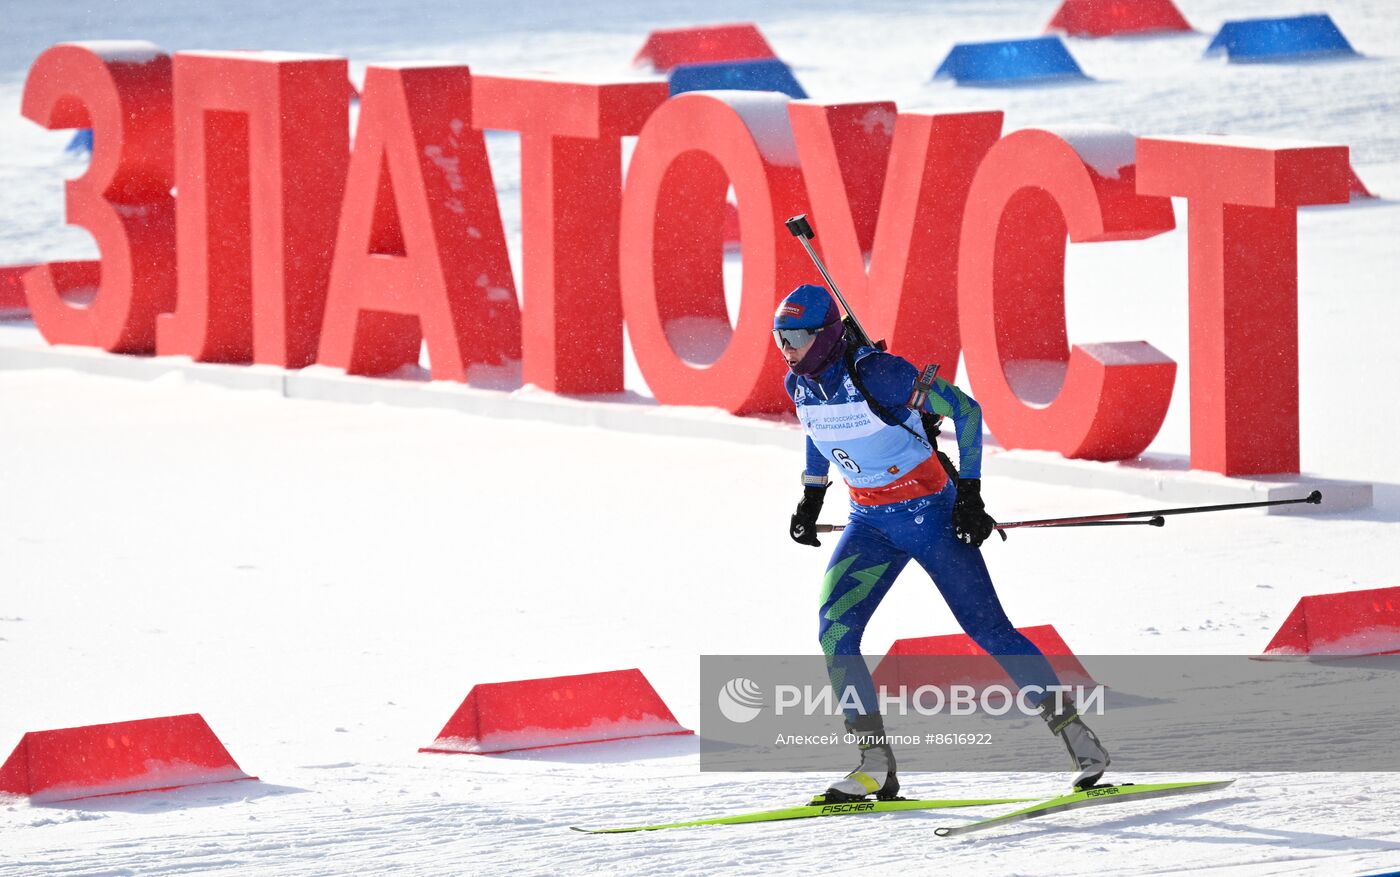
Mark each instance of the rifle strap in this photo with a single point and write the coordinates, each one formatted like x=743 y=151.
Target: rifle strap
x=932 y=422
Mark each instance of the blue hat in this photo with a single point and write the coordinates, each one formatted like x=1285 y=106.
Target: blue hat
x=811 y=307
x=807 y=307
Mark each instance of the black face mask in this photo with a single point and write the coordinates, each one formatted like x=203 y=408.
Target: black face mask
x=826 y=348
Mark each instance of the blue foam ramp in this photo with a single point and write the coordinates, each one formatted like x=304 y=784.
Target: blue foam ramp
x=81 y=142
x=763 y=74
x=1009 y=61
x=1298 y=36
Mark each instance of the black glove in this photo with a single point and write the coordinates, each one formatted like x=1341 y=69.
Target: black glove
x=803 y=528
x=971 y=523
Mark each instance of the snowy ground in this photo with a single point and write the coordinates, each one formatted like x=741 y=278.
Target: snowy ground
x=325 y=582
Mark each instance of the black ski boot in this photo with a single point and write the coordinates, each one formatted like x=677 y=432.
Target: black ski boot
x=1085 y=750
x=875 y=775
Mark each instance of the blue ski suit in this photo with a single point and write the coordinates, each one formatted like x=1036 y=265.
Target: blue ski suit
x=901 y=509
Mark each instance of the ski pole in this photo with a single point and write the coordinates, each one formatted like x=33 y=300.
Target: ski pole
x=1314 y=498
x=802 y=230
x=1156 y=521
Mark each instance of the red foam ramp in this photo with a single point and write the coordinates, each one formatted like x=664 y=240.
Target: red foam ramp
x=1102 y=18
x=1347 y=623
x=915 y=662
x=117 y=758
x=667 y=48
x=559 y=711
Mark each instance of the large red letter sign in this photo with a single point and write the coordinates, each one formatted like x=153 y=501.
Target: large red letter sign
x=845 y=152
x=1242 y=244
x=121 y=90
x=262 y=142
x=1096 y=401
x=672 y=288
x=420 y=254
x=571 y=197
x=911 y=292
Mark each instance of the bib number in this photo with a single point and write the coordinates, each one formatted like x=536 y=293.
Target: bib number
x=844 y=460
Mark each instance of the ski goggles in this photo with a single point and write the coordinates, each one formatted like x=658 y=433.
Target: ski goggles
x=795 y=338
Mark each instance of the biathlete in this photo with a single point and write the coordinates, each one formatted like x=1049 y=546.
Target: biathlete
x=860 y=410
